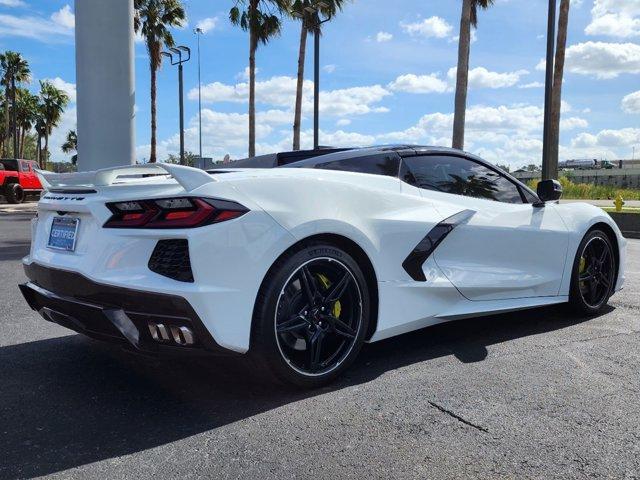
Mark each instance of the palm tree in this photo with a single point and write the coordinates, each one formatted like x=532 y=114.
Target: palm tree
x=14 y=70
x=468 y=19
x=71 y=145
x=558 y=74
x=153 y=20
x=261 y=19
x=4 y=135
x=40 y=127
x=52 y=104
x=26 y=115
x=308 y=12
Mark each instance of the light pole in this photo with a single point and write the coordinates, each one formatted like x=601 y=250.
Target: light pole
x=549 y=171
x=178 y=51
x=198 y=32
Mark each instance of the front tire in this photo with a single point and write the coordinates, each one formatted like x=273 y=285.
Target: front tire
x=311 y=316
x=593 y=275
x=14 y=193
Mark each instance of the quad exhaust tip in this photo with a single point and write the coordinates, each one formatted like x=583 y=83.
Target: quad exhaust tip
x=181 y=335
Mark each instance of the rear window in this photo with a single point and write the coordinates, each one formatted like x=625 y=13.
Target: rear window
x=11 y=165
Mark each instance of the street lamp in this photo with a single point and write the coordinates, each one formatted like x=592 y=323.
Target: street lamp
x=315 y=11
x=199 y=32
x=177 y=51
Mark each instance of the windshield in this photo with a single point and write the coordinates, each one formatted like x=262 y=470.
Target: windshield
x=9 y=165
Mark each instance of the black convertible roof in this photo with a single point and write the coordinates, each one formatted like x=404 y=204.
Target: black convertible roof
x=309 y=157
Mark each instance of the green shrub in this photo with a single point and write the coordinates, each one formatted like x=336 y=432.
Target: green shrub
x=586 y=191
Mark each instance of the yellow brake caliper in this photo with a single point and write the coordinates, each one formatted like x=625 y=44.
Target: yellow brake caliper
x=583 y=266
x=337 y=307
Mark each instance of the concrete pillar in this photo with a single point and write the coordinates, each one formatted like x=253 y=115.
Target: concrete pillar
x=105 y=83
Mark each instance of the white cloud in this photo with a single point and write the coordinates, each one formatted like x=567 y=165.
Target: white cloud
x=383 y=37
x=222 y=133
x=12 y=3
x=429 y=27
x=573 y=123
x=244 y=75
x=480 y=77
x=343 y=122
x=68 y=88
x=624 y=137
x=532 y=85
x=280 y=92
x=631 y=103
x=615 y=18
x=504 y=134
x=474 y=37
x=227 y=133
x=329 y=68
x=491 y=123
x=37 y=28
x=64 y=17
x=207 y=24
x=411 y=83
x=603 y=60
x=58 y=136
x=614 y=25
x=542 y=65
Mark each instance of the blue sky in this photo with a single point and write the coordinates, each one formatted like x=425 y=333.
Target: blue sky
x=386 y=77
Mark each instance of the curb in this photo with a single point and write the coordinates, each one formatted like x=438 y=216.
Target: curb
x=629 y=223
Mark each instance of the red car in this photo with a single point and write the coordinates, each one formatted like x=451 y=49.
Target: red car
x=18 y=179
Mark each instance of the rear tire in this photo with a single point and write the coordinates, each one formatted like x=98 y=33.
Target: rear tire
x=14 y=193
x=311 y=316
x=594 y=274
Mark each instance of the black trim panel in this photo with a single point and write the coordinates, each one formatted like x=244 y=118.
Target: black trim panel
x=414 y=262
x=94 y=309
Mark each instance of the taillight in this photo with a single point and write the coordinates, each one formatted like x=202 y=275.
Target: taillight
x=179 y=212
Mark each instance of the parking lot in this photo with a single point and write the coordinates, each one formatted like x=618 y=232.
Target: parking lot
x=536 y=394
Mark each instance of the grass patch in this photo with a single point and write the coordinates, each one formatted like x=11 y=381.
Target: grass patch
x=587 y=191
x=624 y=210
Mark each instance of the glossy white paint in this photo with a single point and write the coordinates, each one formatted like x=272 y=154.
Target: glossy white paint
x=504 y=251
x=507 y=257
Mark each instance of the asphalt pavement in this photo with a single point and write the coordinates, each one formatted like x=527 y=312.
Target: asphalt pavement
x=536 y=394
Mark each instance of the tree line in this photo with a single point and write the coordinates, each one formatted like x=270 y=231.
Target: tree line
x=28 y=119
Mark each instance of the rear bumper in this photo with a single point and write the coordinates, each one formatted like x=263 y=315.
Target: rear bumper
x=115 y=314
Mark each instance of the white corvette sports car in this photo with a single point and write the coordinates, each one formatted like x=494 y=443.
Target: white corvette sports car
x=299 y=266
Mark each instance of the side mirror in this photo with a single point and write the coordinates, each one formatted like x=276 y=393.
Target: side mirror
x=549 y=190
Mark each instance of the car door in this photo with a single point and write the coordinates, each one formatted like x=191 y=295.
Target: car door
x=25 y=175
x=503 y=247
x=35 y=181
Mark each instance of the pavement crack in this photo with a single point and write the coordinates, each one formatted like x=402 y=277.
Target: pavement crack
x=458 y=417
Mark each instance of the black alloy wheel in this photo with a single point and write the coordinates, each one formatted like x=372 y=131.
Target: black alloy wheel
x=311 y=316
x=318 y=316
x=594 y=273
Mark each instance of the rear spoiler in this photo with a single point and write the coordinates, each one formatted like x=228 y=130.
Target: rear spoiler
x=189 y=178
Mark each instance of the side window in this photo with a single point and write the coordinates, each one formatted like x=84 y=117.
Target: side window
x=387 y=164
x=459 y=176
x=24 y=166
